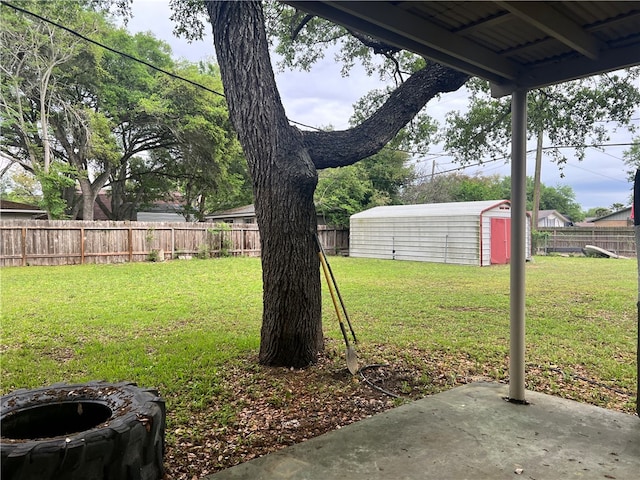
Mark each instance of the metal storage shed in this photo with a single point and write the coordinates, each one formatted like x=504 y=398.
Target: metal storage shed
x=464 y=233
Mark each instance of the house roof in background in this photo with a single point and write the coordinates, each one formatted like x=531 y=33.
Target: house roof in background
x=20 y=207
x=512 y=44
x=244 y=211
x=547 y=213
x=617 y=213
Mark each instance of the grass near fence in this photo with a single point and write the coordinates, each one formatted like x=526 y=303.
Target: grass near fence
x=179 y=326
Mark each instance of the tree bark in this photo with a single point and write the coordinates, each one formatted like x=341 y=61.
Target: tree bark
x=346 y=147
x=284 y=179
x=89 y=191
x=283 y=160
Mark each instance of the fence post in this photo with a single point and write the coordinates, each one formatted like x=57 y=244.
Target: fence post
x=24 y=246
x=81 y=245
x=173 y=243
x=130 y=234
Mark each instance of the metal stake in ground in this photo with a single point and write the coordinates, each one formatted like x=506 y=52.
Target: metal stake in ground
x=636 y=227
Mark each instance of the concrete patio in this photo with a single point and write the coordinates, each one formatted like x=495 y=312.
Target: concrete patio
x=469 y=432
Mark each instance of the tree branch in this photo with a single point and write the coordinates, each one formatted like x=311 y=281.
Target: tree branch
x=295 y=31
x=373 y=43
x=346 y=147
x=397 y=71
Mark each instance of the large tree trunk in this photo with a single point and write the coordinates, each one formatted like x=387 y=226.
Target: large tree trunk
x=284 y=179
x=88 y=199
x=282 y=161
x=90 y=190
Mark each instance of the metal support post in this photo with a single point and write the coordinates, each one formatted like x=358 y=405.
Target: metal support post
x=518 y=245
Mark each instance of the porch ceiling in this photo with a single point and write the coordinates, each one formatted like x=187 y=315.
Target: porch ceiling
x=514 y=45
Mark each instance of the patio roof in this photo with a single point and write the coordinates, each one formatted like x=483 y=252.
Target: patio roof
x=514 y=45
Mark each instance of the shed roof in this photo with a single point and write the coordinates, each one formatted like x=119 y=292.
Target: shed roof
x=431 y=209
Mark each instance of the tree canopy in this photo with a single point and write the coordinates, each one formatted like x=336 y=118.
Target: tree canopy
x=631 y=158
x=82 y=118
x=377 y=180
x=566 y=118
x=456 y=187
x=569 y=116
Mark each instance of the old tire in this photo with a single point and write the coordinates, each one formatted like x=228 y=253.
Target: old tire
x=87 y=431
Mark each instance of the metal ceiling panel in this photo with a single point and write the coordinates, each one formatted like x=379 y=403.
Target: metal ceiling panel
x=513 y=44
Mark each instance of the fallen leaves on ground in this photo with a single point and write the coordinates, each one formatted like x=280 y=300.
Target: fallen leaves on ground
x=266 y=409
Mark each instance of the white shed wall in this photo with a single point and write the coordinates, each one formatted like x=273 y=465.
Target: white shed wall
x=427 y=239
x=456 y=238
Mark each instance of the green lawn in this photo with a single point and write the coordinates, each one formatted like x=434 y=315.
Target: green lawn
x=179 y=325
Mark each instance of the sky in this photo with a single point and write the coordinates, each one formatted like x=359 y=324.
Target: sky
x=322 y=97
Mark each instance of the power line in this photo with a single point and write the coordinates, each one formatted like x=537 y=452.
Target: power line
x=596 y=173
x=507 y=157
x=131 y=57
x=463 y=167
x=106 y=47
x=608 y=154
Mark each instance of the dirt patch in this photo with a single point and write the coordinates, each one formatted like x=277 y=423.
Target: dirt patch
x=271 y=408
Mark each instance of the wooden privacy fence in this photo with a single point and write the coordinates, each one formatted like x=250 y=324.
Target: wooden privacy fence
x=619 y=240
x=62 y=242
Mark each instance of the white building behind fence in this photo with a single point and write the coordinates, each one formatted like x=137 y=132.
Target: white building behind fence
x=464 y=233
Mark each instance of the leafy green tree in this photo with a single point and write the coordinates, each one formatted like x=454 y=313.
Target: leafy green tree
x=560 y=198
x=117 y=123
x=567 y=115
x=59 y=177
x=34 y=82
x=431 y=189
x=377 y=180
x=206 y=160
x=631 y=158
x=17 y=185
x=235 y=191
x=455 y=187
x=341 y=192
x=58 y=96
x=200 y=158
x=389 y=171
x=463 y=188
x=598 y=212
x=477 y=188
x=136 y=122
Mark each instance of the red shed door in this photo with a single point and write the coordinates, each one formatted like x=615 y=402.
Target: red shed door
x=500 y=241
